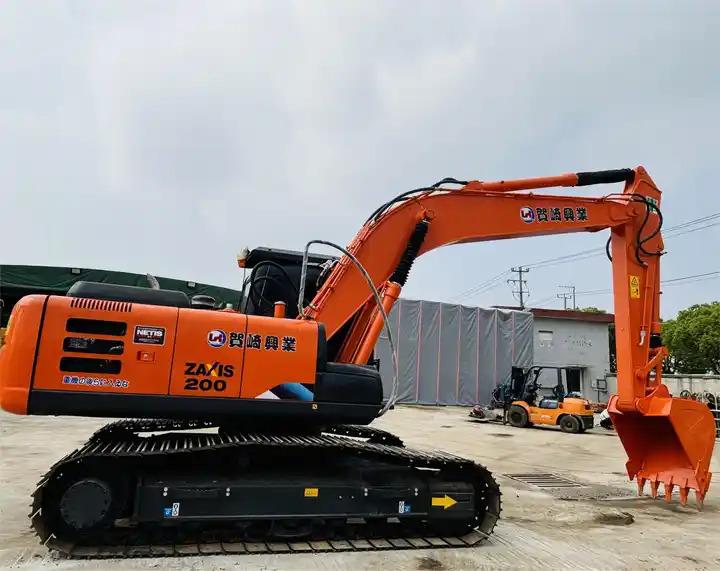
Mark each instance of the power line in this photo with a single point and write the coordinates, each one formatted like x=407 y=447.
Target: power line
x=483 y=286
x=673 y=281
x=672 y=231
x=696 y=221
x=684 y=280
x=681 y=229
x=541 y=301
x=690 y=230
x=688 y=277
x=692 y=281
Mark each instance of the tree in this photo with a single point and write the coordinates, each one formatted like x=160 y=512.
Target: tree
x=591 y=309
x=693 y=339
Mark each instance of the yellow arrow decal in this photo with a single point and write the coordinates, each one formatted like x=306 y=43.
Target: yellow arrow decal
x=444 y=502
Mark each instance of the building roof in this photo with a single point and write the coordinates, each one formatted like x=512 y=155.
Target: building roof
x=17 y=281
x=587 y=316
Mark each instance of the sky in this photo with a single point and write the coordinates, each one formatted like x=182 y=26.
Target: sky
x=164 y=137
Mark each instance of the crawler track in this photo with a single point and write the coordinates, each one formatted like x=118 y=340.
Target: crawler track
x=128 y=448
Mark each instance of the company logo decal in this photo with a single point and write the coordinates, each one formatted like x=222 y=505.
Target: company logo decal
x=149 y=335
x=527 y=214
x=553 y=214
x=216 y=338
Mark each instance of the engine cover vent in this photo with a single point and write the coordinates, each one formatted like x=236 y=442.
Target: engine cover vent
x=101 y=304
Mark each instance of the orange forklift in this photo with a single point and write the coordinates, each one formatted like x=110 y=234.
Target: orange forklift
x=522 y=408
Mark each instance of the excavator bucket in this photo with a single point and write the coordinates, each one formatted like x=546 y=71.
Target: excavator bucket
x=669 y=441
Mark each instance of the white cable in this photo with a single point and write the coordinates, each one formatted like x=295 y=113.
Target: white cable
x=301 y=312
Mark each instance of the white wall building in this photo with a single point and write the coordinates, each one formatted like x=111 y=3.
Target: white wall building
x=578 y=341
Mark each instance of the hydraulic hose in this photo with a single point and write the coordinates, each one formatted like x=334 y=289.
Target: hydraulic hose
x=301 y=312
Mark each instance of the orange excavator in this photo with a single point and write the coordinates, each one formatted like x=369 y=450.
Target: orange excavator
x=251 y=426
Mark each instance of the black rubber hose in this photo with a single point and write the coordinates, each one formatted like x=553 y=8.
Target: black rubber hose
x=406 y=195
x=639 y=240
x=605 y=177
x=652 y=207
x=649 y=207
x=607 y=248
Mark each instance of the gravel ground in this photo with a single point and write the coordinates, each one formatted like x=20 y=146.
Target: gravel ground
x=595 y=526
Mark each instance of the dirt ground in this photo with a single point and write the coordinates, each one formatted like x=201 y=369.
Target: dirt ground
x=596 y=526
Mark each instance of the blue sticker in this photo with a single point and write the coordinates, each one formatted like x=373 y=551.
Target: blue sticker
x=174 y=511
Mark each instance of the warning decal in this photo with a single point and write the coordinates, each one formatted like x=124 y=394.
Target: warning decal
x=634 y=287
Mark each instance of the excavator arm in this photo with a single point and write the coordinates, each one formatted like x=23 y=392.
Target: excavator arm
x=668 y=440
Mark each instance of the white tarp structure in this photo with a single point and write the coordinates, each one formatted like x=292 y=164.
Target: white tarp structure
x=452 y=354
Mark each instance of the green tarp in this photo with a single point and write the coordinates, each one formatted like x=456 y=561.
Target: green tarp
x=18 y=281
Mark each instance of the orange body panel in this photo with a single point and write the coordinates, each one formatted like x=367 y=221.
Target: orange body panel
x=294 y=363
x=149 y=350
x=18 y=353
x=223 y=365
x=142 y=376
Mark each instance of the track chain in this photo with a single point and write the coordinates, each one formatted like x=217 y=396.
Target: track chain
x=122 y=440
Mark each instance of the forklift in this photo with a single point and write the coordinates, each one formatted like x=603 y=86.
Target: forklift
x=516 y=402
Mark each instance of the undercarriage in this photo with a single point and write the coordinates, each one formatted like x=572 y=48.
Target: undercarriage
x=180 y=487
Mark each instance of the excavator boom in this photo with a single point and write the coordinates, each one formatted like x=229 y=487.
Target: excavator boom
x=667 y=439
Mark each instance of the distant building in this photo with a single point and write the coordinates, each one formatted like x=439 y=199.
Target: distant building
x=579 y=342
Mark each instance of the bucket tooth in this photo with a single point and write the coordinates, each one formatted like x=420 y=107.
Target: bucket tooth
x=641 y=485
x=684 y=491
x=654 y=488
x=699 y=499
x=668 y=491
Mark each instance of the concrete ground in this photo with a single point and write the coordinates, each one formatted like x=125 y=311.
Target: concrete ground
x=601 y=525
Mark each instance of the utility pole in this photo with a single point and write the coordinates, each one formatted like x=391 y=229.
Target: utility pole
x=521 y=284
x=568 y=295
